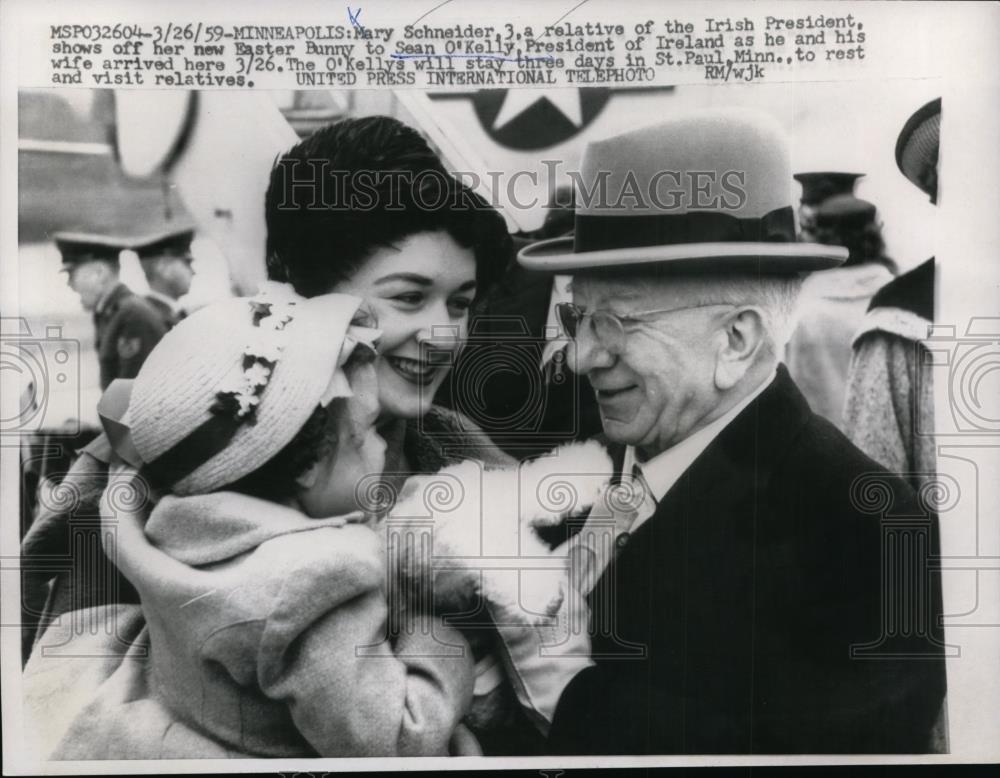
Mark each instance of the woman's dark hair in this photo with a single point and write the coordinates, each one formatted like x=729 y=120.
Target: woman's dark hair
x=362 y=184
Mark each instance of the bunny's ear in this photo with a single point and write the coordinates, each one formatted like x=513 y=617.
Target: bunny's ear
x=585 y=468
x=583 y=458
x=591 y=456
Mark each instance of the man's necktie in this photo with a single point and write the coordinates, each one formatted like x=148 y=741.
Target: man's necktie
x=643 y=494
x=606 y=530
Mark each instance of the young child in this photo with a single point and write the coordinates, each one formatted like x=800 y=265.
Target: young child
x=263 y=629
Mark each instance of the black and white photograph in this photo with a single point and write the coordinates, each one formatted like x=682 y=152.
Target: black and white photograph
x=398 y=389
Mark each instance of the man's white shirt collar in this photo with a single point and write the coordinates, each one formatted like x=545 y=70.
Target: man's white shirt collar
x=173 y=304
x=662 y=471
x=106 y=298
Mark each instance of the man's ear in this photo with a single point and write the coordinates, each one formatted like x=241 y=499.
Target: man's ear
x=744 y=337
x=106 y=271
x=156 y=266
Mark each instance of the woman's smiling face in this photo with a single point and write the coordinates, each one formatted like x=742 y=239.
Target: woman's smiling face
x=421 y=290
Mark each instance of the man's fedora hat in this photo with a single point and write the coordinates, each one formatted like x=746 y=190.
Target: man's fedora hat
x=710 y=190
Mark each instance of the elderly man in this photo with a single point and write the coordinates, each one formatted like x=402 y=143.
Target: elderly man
x=745 y=607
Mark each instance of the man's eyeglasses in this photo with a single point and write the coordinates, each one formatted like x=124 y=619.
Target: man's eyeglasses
x=606 y=326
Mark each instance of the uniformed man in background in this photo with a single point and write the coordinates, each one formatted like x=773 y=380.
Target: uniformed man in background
x=817 y=188
x=168 y=264
x=126 y=327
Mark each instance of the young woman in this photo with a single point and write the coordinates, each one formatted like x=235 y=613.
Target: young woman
x=365 y=207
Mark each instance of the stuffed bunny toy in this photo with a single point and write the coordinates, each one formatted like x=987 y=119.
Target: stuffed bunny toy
x=472 y=534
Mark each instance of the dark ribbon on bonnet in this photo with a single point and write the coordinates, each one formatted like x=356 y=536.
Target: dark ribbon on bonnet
x=181 y=459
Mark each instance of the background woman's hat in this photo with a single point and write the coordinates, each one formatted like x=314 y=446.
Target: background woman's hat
x=917 y=147
x=711 y=190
